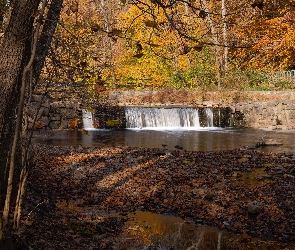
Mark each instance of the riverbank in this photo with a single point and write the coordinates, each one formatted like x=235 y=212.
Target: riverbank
x=241 y=191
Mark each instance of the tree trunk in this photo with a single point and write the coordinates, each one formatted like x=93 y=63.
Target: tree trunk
x=218 y=53
x=14 y=55
x=45 y=39
x=16 y=59
x=224 y=33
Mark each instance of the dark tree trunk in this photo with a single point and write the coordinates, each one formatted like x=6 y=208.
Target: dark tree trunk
x=46 y=38
x=14 y=55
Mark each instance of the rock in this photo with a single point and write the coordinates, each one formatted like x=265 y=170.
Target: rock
x=209 y=197
x=268 y=142
x=254 y=208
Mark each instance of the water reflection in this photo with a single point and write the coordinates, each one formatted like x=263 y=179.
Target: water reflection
x=257 y=177
x=202 y=140
x=146 y=230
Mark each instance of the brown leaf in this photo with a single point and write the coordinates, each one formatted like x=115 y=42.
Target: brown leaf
x=184 y=50
x=258 y=3
x=150 y=23
x=74 y=7
x=203 y=14
x=117 y=32
x=95 y=27
x=198 y=47
x=138 y=55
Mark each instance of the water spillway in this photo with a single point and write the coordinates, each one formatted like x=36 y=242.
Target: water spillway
x=156 y=118
x=189 y=118
x=87 y=118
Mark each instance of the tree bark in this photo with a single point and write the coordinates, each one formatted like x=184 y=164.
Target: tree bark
x=218 y=53
x=45 y=39
x=14 y=55
x=224 y=33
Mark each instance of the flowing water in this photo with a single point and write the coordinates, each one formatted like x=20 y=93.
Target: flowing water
x=152 y=129
x=162 y=118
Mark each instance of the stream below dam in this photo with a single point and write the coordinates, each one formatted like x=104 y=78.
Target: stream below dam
x=202 y=139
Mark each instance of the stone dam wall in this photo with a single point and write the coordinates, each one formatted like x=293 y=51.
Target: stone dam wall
x=273 y=115
x=269 y=110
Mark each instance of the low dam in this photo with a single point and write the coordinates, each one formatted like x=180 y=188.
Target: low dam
x=158 y=118
x=269 y=110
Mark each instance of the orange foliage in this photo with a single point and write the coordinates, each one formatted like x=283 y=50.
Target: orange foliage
x=39 y=125
x=73 y=124
x=269 y=35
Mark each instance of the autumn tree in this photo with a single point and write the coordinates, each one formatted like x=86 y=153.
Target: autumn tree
x=84 y=45
x=204 y=26
x=269 y=32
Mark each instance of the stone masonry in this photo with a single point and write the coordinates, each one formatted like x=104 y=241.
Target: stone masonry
x=277 y=111
x=54 y=114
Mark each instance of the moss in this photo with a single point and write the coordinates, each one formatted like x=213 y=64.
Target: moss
x=112 y=123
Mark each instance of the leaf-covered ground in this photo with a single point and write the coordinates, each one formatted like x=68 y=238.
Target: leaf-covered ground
x=71 y=190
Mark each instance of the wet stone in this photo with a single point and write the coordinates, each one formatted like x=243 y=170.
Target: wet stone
x=254 y=208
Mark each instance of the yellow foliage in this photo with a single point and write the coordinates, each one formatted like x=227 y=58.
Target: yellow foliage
x=272 y=46
x=159 y=56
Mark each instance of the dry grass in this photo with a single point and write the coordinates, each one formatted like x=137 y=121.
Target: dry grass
x=187 y=97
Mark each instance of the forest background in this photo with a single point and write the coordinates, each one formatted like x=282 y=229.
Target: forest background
x=198 y=45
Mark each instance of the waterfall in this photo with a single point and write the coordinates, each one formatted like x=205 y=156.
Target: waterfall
x=209 y=116
x=137 y=117
x=87 y=118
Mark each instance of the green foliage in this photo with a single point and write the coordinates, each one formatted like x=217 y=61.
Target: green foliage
x=255 y=78
x=283 y=83
x=113 y=123
x=197 y=78
x=236 y=79
x=90 y=110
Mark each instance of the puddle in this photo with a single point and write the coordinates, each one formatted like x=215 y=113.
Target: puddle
x=146 y=230
x=152 y=231
x=257 y=177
